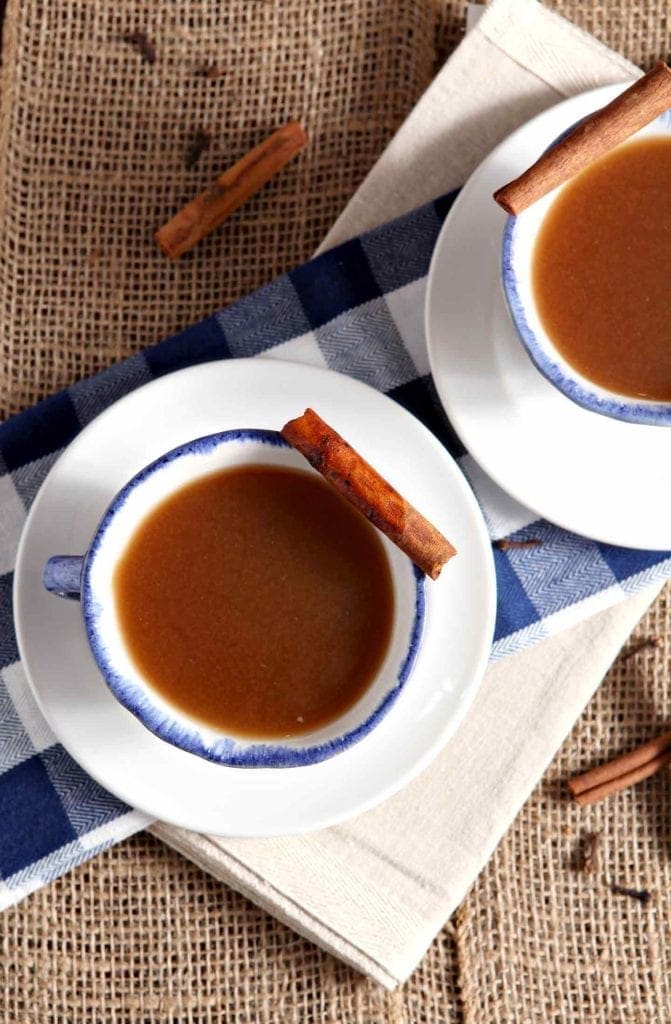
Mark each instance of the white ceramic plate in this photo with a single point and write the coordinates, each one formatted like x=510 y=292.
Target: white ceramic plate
x=605 y=479
x=181 y=788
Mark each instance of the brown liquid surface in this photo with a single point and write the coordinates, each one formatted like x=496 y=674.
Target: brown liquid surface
x=256 y=600
x=602 y=270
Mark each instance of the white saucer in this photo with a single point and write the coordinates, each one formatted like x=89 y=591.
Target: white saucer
x=181 y=788
x=605 y=479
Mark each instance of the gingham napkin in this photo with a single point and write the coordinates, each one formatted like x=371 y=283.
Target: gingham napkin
x=356 y=308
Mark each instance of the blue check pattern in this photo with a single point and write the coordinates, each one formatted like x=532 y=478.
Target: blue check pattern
x=356 y=309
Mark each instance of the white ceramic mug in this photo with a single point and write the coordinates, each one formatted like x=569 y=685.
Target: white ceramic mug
x=519 y=238
x=89 y=578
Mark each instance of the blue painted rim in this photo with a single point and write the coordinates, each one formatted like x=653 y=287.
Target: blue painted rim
x=618 y=407
x=224 y=750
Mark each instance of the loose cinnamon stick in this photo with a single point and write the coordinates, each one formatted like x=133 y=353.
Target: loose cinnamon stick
x=606 y=128
x=369 y=492
x=624 y=771
x=230 y=190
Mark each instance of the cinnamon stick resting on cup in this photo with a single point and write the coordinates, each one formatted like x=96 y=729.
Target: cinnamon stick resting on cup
x=606 y=128
x=370 y=493
x=230 y=190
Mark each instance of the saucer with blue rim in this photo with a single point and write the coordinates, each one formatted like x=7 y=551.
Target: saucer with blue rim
x=606 y=479
x=182 y=788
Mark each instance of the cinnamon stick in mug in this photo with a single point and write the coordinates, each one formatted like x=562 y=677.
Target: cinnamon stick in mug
x=230 y=190
x=606 y=128
x=369 y=492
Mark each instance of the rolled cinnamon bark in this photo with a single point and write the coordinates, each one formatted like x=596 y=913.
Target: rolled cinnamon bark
x=369 y=492
x=606 y=128
x=230 y=190
x=622 y=772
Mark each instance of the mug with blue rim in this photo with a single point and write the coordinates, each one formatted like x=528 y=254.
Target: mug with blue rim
x=519 y=239
x=88 y=578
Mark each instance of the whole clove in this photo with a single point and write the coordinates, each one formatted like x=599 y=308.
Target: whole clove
x=590 y=852
x=201 y=141
x=506 y=544
x=141 y=42
x=648 y=643
x=212 y=71
x=642 y=895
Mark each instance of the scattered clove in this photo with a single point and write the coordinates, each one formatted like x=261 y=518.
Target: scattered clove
x=141 y=42
x=212 y=71
x=357 y=124
x=201 y=141
x=589 y=852
x=648 y=643
x=642 y=895
x=506 y=544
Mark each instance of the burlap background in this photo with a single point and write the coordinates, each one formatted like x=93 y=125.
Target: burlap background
x=92 y=142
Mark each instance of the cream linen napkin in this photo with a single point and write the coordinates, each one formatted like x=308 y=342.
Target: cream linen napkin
x=376 y=890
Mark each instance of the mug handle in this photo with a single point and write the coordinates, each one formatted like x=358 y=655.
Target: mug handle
x=62 y=576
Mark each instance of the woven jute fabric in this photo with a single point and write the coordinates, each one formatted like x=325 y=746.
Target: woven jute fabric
x=94 y=140
x=92 y=160
x=540 y=940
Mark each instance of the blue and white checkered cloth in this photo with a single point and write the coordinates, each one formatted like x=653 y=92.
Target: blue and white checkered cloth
x=357 y=309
